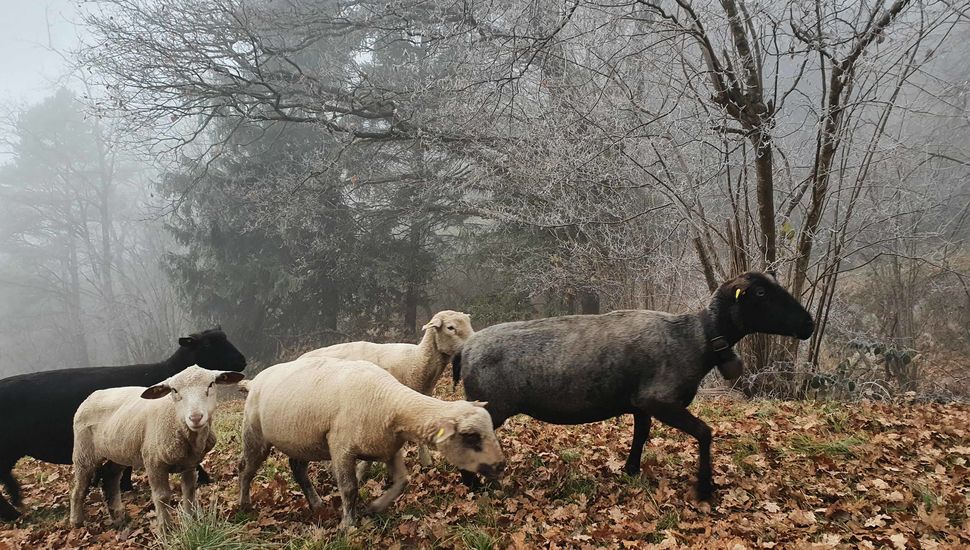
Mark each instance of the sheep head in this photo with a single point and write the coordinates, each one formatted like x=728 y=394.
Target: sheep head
x=451 y=330
x=193 y=393
x=211 y=349
x=756 y=302
x=467 y=440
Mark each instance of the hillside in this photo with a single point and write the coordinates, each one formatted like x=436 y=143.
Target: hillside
x=818 y=475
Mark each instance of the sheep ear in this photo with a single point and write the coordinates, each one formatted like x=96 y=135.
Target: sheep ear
x=156 y=391
x=229 y=377
x=187 y=341
x=479 y=403
x=435 y=322
x=445 y=430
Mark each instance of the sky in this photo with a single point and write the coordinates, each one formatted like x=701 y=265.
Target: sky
x=28 y=70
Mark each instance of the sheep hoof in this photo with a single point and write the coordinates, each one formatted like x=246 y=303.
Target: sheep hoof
x=632 y=470
x=705 y=490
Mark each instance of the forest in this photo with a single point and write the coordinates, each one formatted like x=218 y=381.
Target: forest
x=305 y=173
x=302 y=173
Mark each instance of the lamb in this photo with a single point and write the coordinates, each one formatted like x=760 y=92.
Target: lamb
x=36 y=409
x=588 y=368
x=416 y=366
x=323 y=408
x=133 y=426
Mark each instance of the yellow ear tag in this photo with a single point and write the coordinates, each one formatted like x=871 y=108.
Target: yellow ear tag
x=737 y=294
x=441 y=432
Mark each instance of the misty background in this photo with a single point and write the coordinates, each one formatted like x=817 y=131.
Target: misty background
x=304 y=173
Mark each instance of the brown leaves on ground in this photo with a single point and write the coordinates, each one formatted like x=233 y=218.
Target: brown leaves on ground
x=791 y=475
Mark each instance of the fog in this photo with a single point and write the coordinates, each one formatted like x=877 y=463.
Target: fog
x=301 y=175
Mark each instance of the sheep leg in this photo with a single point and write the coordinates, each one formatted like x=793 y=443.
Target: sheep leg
x=83 y=475
x=299 y=468
x=424 y=455
x=399 y=475
x=10 y=482
x=126 y=484
x=255 y=451
x=190 y=495
x=681 y=419
x=203 y=477
x=161 y=494
x=7 y=511
x=111 y=489
x=344 y=472
x=641 y=434
x=362 y=469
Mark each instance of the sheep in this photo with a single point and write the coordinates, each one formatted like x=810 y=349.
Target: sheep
x=416 y=366
x=323 y=408
x=36 y=410
x=133 y=426
x=587 y=368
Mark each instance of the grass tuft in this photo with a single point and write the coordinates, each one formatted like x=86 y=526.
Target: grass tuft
x=476 y=539
x=926 y=496
x=742 y=449
x=337 y=543
x=569 y=455
x=206 y=530
x=575 y=485
x=808 y=445
x=668 y=521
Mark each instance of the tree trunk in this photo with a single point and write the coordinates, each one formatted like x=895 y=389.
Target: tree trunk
x=412 y=283
x=79 y=346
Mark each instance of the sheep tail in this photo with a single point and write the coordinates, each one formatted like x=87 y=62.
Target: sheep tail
x=456 y=370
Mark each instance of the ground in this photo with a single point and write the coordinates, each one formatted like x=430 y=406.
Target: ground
x=791 y=475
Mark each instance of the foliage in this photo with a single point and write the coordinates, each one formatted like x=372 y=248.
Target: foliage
x=79 y=276
x=279 y=275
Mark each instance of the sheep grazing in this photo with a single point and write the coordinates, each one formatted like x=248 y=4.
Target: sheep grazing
x=325 y=408
x=36 y=410
x=588 y=368
x=133 y=426
x=417 y=366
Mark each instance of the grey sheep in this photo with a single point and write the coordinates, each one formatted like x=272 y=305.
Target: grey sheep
x=587 y=368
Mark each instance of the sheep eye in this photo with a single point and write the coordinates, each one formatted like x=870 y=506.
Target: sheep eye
x=451 y=328
x=471 y=439
x=760 y=292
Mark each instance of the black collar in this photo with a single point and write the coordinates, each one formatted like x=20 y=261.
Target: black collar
x=720 y=350
x=718 y=345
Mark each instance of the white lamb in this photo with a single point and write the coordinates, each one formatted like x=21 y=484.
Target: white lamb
x=314 y=409
x=131 y=426
x=417 y=366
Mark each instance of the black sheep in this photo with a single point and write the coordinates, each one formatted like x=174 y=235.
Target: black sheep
x=37 y=409
x=588 y=368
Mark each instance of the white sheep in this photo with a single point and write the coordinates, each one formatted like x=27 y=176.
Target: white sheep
x=417 y=366
x=131 y=426
x=324 y=408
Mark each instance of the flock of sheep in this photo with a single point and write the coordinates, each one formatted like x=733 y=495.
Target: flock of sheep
x=358 y=402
